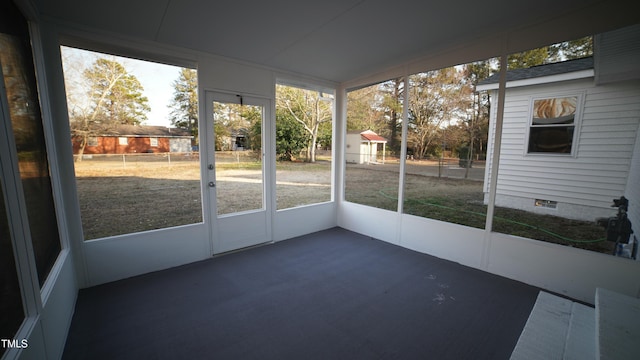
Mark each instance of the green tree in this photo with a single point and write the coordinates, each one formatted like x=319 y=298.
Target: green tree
x=365 y=110
x=566 y=50
x=527 y=59
x=393 y=91
x=184 y=105
x=252 y=115
x=116 y=95
x=231 y=121
x=572 y=49
x=291 y=137
x=437 y=99
x=325 y=135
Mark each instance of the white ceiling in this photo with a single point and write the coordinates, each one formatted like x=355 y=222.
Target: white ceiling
x=336 y=40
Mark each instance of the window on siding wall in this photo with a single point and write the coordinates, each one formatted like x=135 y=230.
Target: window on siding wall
x=548 y=188
x=553 y=124
x=137 y=190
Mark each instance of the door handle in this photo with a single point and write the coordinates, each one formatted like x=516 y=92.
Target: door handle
x=212 y=184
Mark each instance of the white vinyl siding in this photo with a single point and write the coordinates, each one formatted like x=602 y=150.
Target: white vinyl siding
x=633 y=187
x=605 y=142
x=618 y=54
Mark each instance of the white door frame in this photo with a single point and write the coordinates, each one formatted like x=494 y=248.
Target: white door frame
x=243 y=229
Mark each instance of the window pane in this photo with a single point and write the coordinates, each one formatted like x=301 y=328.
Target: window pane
x=554 y=111
x=239 y=175
x=548 y=132
x=117 y=107
x=374 y=123
x=551 y=139
x=26 y=122
x=10 y=297
x=446 y=144
x=303 y=146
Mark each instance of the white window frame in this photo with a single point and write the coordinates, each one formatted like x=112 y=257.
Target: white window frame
x=333 y=94
x=153 y=141
x=577 y=121
x=123 y=141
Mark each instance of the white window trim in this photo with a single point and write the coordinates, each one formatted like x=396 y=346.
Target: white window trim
x=153 y=141
x=123 y=140
x=577 y=122
x=331 y=92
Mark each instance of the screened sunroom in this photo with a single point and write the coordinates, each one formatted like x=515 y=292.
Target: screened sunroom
x=235 y=226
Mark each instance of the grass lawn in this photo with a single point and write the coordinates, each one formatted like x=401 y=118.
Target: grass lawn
x=117 y=198
x=461 y=201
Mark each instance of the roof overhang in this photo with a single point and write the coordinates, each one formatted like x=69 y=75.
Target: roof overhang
x=583 y=74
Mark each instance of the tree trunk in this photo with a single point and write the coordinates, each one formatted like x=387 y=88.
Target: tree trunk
x=469 y=157
x=312 y=148
x=83 y=145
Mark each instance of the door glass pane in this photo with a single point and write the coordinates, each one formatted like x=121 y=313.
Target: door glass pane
x=26 y=123
x=238 y=157
x=303 y=146
x=10 y=298
x=135 y=143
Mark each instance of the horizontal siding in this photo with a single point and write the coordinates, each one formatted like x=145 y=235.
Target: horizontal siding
x=602 y=168
x=618 y=53
x=564 y=178
x=600 y=127
x=548 y=186
x=598 y=172
x=633 y=188
x=594 y=201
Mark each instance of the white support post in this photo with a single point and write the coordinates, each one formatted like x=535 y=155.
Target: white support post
x=384 y=151
x=495 y=159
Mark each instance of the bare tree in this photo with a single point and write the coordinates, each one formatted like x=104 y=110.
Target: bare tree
x=309 y=108
x=100 y=98
x=438 y=99
x=365 y=110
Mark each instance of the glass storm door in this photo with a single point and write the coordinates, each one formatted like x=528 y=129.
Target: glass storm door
x=236 y=171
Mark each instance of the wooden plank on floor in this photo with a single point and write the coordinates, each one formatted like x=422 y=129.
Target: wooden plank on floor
x=618 y=325
x=545 y=332
x=581 y=336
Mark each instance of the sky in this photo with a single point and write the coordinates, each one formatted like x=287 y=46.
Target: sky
x=156 y=79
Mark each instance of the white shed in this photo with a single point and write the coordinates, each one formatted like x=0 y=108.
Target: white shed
x=362 y=147
x=570 y=131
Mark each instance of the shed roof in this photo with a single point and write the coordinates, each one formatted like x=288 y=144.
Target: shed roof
x=371 y=136
x=557 y=68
